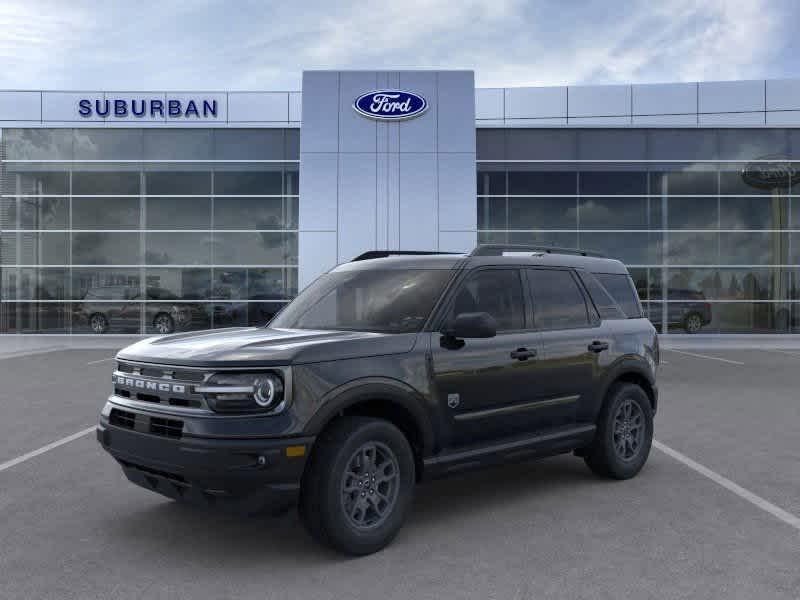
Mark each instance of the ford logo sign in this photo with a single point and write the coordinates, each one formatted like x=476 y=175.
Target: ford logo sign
x=390 y=105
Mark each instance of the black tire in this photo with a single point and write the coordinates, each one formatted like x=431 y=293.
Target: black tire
x=98 y=323
x=163 y=323
x=607 y=456
x=324 y=498
x=693 y=323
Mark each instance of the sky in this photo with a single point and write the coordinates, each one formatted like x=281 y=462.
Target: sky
x=263 y=45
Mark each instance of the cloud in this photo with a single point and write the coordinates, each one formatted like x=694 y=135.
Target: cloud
x=266 y=45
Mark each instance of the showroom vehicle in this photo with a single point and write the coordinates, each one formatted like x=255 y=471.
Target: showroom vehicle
x=688 y=310
x=102 y=314
x=391 y=369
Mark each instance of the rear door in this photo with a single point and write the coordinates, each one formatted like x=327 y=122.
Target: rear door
x=572 y=342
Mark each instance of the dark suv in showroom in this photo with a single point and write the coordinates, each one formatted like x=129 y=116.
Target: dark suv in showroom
x=118 y=308
x=394 y=368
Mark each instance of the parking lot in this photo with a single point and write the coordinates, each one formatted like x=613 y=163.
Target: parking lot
x=714 y=514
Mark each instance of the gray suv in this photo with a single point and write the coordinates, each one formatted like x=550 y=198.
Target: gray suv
x=389 y=370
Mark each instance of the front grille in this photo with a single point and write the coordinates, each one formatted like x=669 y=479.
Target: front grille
x=171 y=428
x=159 y=385
x=122 y=418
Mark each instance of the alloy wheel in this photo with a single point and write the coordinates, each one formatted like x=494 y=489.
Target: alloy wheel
x=370 y=485
x=629 y=426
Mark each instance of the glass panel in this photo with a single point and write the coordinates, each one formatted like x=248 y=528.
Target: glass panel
x=752 y=143
x=105 y=213
x=653 y=312
x=178 y=213
x=614 y=144
x=630 y=248
x=178 y=248
x=682 y=144
x=21 y=179
x=42 y=213
x=492 y=182
x=107 y=144
x=249 y=144
x=169 y=183
x=541 y=144
x=254 y=284
x=38 y=144
x=689 y=211
x=102 y=248
x=35 y=317
x=105 y=284
x=173 y=284
x=178 y=144
x=754 y=248
x=753 y=284
x=255 y=213
x=693 y=284
x=491 y=144
x=692 y=248
x=102 y=182
x=43 y=249
x=751 y=317
x=493 y=213
x=613 y=212
x=255 y=248
x=242 y=183
x=229 y=314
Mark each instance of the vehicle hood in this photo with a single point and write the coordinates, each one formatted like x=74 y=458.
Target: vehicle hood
x=247 y=346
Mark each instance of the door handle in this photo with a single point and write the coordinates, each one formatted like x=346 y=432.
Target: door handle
x=523 y=354
x=596 y=346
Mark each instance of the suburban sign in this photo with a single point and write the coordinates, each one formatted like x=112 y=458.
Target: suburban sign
x=200 y=108
x=390 y=105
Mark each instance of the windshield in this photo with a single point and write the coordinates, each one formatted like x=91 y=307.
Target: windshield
x=385 y=301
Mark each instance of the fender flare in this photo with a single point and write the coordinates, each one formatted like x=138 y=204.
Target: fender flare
x=374 y=388
x=629 y=364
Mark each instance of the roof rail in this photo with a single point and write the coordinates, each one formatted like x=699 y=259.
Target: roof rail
x=499 y=249
x=370 y=254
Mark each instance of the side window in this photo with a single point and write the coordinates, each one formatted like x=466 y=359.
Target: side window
x=557 y=300
x=497 y=292
x=606 y=305
x=621 y=289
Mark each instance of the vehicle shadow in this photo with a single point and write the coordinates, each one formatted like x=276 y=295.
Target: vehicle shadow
x=170 y=528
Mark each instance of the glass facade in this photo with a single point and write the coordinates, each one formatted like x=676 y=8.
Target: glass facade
x=146 y=230
x=708 y=220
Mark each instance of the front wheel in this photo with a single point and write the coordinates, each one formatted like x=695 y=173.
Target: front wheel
x=359 y=485
x=98 y=323
x=624 y=433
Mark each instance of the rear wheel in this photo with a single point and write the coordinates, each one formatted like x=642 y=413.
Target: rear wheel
x=693 y=323
x=624 y=433
x=163 y=323
x=359 y=485
x=98 y=323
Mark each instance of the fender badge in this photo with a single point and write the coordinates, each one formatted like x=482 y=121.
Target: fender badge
x=453 y=400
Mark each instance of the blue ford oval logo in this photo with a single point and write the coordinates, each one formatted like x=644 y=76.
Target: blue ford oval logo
x=390 y=105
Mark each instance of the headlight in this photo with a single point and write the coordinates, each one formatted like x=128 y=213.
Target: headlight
x=244 y=392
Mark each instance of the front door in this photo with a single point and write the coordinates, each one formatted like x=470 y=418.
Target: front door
x=484 y=386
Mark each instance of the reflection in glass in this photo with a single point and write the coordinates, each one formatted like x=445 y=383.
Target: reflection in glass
x=178 y=213
x=174 y=283
x=178 y=248
x=105 y=213
x=266 y=248
x=105 y=248
x=105 y=283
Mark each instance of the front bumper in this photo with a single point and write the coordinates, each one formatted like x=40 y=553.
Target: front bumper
x=240 y=475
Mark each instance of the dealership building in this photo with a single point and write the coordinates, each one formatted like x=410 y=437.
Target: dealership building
x=146 y=212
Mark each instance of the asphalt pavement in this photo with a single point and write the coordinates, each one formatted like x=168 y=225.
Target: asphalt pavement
x=71 y=526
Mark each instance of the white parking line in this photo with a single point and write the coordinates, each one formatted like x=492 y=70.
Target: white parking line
x=20 y=459
x=755 y=500
x=95 y=362
x=725 y=360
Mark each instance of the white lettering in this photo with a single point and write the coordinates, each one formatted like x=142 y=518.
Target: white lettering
x=386 y=103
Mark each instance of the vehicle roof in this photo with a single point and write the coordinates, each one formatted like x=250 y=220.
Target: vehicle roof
x=592 y=264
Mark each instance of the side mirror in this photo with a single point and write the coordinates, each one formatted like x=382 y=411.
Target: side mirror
x=471 y=325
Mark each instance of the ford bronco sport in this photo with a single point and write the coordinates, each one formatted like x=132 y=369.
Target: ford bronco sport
x=391 y=369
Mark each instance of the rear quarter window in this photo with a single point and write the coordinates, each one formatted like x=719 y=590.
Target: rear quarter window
x=621 y=288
